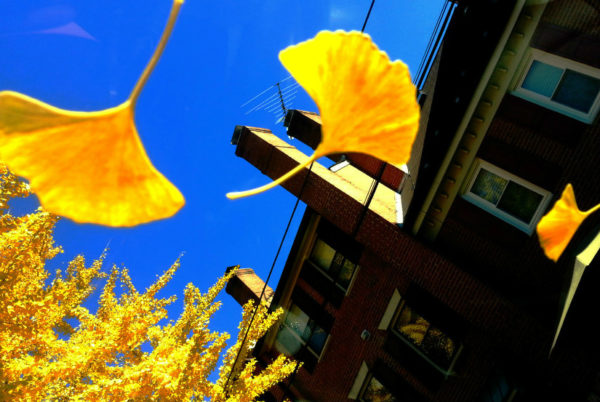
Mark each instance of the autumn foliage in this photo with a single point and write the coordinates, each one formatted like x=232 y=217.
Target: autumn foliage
x=366 y=101
x=116 y=183
x=53 y=348
x=557 y=228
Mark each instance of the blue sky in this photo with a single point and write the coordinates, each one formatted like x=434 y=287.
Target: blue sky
x=87 y=55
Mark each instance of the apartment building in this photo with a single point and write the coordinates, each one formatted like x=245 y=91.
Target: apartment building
x=427 y=282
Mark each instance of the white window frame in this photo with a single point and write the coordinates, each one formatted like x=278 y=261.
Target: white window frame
x=492 y=209
x=390 y=310
x=446 y=372
x=282 y=349
x=389 y=319
x=326 y=274
x=560 y=62
x=365 y=383
x=359 y=381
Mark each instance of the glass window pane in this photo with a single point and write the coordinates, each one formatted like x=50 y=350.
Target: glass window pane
x=432 y=341
x=346 y=272
x=542 y=78
x=322 y=254
x=297 y=320
x=497 y=390
x=287 y=342
x=317 y=340
x=577 y=90
x=376 y=392
x=520 y=202
x=488 y=186
x=336 y=265
x=411 y=325
x=439 y=347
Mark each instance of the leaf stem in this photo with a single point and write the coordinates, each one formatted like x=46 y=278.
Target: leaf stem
x=241 y=194
x=157 y=53
x=592 y=210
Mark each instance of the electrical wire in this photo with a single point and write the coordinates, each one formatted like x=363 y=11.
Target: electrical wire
x=430 y=43
x=433 y=51
x=269 y=275
x=371 y=192
x=367 y=17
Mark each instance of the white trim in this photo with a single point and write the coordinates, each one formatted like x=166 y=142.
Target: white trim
x=365 y=386
x=493 y=209
x=363 y=371
x=399 y=208
x=339 y=165
x=390 y=311
x=582 y=261
x=325 y=344
x=547 y=102
x=352 y=280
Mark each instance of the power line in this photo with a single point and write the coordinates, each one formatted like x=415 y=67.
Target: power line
x=433 y=47
x=431 y=40
x=269 y=275
x=367 y=202
x=368 y=15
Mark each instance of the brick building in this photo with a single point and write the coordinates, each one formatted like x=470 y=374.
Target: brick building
x=436 y=289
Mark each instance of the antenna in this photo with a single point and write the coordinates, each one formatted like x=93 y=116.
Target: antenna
x=276 y=99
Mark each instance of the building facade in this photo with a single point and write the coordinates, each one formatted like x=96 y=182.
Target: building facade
x=433 y=286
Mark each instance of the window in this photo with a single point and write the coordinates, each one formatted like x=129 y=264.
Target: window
x=436 y=346
x=499 y=389
x=367 y=387
x=380 y=383
x=333 y=264
x=424 y=335
x=506 y=196
x=560 y=84
x=375 y=391
x=299 y=332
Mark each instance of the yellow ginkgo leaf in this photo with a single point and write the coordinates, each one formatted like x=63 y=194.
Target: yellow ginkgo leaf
x=558 y=226
x=88 y=166
x=367 y=102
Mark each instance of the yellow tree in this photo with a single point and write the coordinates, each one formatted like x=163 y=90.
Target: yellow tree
x=51 y=347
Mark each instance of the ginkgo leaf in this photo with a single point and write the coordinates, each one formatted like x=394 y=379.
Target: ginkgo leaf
x=367 y=103
x=88 y=166
x=558 y=226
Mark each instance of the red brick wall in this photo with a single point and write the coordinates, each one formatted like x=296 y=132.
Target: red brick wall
x=545 y=148
x=392 y=177
x=392 y=259
x=493 y=276
x=495 y=251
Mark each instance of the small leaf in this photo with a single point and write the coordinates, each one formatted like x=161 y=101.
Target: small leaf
x=558 y=226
